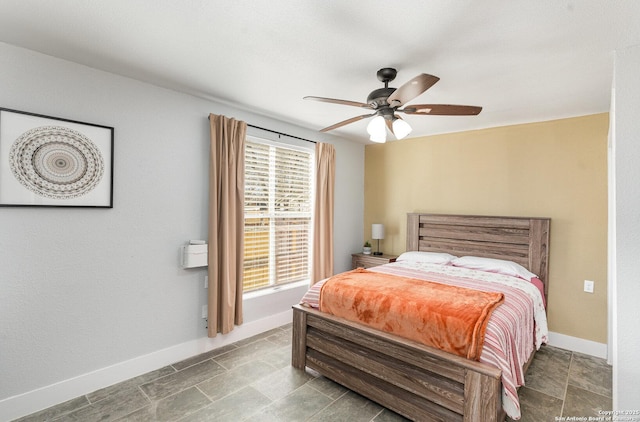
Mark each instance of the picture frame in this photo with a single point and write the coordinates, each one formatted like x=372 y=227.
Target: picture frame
x=54 y=162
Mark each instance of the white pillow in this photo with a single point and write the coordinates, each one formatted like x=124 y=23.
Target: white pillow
x=426 y=257
x=495 y=266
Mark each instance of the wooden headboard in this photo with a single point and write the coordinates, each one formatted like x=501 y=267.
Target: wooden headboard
x=519 y=239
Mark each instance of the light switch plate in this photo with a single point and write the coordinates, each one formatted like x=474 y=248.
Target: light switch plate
x=588 y=286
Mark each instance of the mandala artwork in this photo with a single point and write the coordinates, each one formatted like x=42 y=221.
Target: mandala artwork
x=56 y=162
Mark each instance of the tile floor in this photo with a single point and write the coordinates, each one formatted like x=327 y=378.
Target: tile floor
x=252 y=380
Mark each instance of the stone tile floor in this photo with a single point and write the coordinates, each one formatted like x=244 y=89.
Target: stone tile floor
x=252 y=380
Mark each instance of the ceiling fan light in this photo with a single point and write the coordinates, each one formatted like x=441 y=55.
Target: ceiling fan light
x=377 y=127
x=401 y=128
x=379 y=139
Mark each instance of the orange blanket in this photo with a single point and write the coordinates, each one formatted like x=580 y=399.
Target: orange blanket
x=450 y=318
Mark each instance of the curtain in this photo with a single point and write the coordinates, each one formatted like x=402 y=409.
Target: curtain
x=322 y=266
x=226 y=223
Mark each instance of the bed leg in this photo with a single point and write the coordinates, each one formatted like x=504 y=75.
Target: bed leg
x=478 y=386
x=299 y=339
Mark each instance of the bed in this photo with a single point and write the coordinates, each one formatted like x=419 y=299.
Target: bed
x=417 y=381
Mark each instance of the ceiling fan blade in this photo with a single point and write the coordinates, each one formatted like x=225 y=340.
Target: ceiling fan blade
x=390 y=125
x=442 y=110
x=412 y=89
x=336 y=101
x=346 y=122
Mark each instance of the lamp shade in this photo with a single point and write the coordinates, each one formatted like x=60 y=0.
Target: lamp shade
x=379 y=139
x=377 y=231
x=401 y=128
x=377 y=128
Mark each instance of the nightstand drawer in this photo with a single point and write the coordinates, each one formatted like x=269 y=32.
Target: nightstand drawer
x=360 y=260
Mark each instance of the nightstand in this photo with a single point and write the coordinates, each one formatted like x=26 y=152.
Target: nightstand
x=360 y=260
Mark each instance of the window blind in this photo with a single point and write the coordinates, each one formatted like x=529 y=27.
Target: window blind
x=278 y=185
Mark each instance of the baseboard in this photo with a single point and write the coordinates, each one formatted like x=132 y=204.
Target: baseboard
x=24 y=404
x=579 y=345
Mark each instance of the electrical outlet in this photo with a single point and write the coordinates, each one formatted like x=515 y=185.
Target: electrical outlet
x=588 y=286
x=206 y=281
x=205 y=311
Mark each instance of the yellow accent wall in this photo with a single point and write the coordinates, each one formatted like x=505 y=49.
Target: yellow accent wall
x=555 y=169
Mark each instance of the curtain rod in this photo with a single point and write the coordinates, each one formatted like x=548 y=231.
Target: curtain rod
x=280 y=133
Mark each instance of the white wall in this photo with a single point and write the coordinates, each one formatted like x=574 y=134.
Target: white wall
x=626 y=301
x=84 y=289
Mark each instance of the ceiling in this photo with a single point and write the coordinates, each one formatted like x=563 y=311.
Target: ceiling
x=521 y=60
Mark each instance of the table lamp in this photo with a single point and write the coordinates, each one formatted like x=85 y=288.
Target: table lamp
x=377 y=233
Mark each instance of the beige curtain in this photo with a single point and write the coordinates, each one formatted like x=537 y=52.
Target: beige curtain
x=323 y=214
x=226 y=223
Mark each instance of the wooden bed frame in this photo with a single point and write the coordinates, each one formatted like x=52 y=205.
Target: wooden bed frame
x=414 y=380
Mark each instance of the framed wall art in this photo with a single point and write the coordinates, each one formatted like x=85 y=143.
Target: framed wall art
x=52 y=162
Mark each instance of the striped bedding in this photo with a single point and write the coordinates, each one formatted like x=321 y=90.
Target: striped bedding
x=514 y=329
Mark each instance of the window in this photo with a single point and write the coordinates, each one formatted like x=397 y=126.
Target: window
x=277 y=211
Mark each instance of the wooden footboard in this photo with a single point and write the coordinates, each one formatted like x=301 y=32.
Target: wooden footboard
x=416 y=381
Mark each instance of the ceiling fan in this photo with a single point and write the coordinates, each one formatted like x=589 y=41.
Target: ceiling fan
x=386 y=102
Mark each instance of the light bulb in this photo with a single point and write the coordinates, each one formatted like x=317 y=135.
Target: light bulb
x=401 y=128
x=379 y=139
